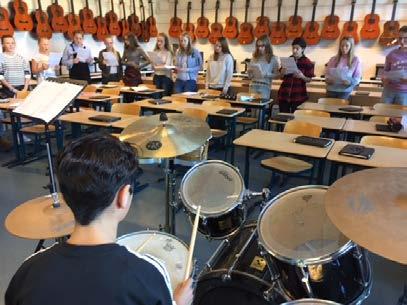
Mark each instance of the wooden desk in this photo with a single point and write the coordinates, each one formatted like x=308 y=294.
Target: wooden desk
x=135 y=90
x=106 y=103
x=278 y=142
x=326 y=123
x=334 y=109
x=369 y=128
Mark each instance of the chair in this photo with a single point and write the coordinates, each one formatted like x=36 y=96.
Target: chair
x=383 y=106
x=112 y=91
x=333 y=101
x=288 y=165
x=384 y=141
x=379 y=119
x=22 y=94
x=126 y=108
x=90 y=88
x=313 y=113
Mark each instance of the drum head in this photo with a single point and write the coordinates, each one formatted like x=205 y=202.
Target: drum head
x=311 y=302
x=214 y=185
x=172 y=252
x=294 y=228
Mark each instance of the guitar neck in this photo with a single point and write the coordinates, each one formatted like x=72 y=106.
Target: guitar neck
x=39 y=5
x=231 y=9
x=246 y=11
x=111 y=3
x=100 y=9
x=151 y=8
x=333 y=8
x=216 y=11
x=262 y=8
x=175 y=9
x=314 y=9
x=124 y=10
x=373 y=7
x=202 y=8
x=87 y=4
x=72 y=7
x=393 y=14
x=279 y=11
x=188 y=12
x=134 y=6
x=296 y=9
x=352 y=11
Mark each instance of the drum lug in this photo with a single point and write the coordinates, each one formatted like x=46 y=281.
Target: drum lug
x=268 y=294
x=226 y=277
x=305 y=281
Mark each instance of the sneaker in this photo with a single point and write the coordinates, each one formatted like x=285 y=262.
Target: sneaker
x=5 y=145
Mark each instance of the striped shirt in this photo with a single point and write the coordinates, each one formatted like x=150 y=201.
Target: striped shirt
x=14 y=69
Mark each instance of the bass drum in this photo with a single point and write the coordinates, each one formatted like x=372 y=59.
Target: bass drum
x=237 y=274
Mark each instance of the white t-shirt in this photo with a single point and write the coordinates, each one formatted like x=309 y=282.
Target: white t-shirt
x=50 y=72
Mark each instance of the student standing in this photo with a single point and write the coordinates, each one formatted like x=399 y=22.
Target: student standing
x=219 y=69
x=395 y=89
x=134 y=58
x=293 y=89
x=110 y=72
x=348 y=70
x=188 y=63
x=162 y=75
x=40 y=61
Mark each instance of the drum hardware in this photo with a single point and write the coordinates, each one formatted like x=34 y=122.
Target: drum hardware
x=358 y=254
x=224 y=245
x=305 y=282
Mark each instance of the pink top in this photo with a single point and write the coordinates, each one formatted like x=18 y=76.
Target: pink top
x=354 y=73
x=396 y=60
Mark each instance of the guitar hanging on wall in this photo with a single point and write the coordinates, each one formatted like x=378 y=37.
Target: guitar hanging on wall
x=390 y=30
x=216 y=27
x=42 y=27
x=294 y=27
x=311 y=32
x=124 y=24
x=246 y=28
x=278 y=35
x=230 y=30
x=6 y=29
x=350 y=28
x=263 y=24
x=330 y=29
x=58 y=21
x=22 y=20
x=87 y=18
x=145 y=32
x=175 y=29
x=74 y=23
x=202 y=29
x=112 y=21
x=371 y=29
x=134 y=21
x=188 y=26
x=101 y=24
x=152 y=23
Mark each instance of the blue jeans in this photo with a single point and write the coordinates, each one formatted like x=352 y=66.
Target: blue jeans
x=163 y=82
x=185 y=86
x=391 y=96
x=338 y=94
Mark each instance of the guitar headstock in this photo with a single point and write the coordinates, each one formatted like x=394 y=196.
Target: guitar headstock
x=280 y=2
x=247 y=4
x=315 y=3
x=217 y=4
x=189 y=5
x=353 y=2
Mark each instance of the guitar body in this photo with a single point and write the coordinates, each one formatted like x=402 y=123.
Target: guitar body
x=88 y=22
x=42 y=27
x=58 y=21
x=22 y=20
x=74 y=25
x=190 y=29
x=294 y=27
x=230 y=30
x=246 y=33
x=330 y=29
x=202 y=30
x=113 y=23
x=262 y=27
x=124 y=28
x=278 y=35
x=311 y=33
x=216 y=32
x=390 y=34
x=350 y=29
x=370 y=29
x=134 y=24
x=101 y=31
x=145 y=32
x=175 y=27
x=6 y=28
x=152 y=26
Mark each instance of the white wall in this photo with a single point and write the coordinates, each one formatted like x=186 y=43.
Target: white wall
x=370 y=52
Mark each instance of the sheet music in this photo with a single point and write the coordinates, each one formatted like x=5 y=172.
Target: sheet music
x=48 y=99
x=255 y=71
x=111 y=59
x=289 y=64
x=82 y=55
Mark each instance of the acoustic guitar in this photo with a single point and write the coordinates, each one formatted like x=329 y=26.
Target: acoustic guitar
x=330 y=29
x=202 y=29
x=42 y=27
x=124 y=24
x=216 y=27
x=391 y=28
x=371 y=29
x=6 y=29
x=189 y=27
x=246 y=28
x=101 y=25
x=175 y=29
x=263 y=24
x=58 y=21
x=134 y=21
x=231 y=30
x=350 y=28
x=311 y=32
x=145 y=32
x=74 y=22
x=88 y=21
x=294 y=27
x=22 y=19
x=152 y=23
x=278 y=35
x=112 y=21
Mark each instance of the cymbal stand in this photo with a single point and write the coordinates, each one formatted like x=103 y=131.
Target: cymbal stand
x=170 y=203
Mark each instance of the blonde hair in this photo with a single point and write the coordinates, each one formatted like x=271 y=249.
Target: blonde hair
x=188 y=50
x=268 y=49
x=351 y=54
x=166 y=43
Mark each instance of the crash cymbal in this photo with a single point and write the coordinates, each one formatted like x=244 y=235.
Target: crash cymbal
x=370 y=208
x=155 y=137
x=38 y=219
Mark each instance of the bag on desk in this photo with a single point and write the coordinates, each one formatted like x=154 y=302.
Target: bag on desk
x=357 y=151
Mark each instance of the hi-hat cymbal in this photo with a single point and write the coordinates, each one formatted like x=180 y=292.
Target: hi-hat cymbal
x=153 y=137
x=370 y=208
x=38 y=219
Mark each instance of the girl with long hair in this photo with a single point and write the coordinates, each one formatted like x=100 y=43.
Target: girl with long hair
x=162 y=74
x=110 y=73
x=134 y=58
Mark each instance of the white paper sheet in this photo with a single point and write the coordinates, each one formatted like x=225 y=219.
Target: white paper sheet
x=255 y=71
x=140 y=88
x=289 y=64
x=395 y=75
x=111 y=59
x=82 y=55
x=54 y=59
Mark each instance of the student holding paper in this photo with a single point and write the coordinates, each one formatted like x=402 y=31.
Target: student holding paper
x=263 y=68
x=40 y=63
x=77 y=58
x=344 y=70
x=293 y=89
x=395 y=86
x=134 y=58
x=162 y=61
x=219 y=69
x=110 y=62
x=188 y=62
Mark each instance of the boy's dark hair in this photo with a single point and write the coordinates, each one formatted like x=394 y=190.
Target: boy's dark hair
x=90 y=172
x=403 y=29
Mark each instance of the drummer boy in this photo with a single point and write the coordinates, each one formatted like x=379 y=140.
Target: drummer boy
x=96 y=175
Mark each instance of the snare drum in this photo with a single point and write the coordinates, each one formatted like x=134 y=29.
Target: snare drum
x=172 y=252
x=218 y=188
x=314 y=259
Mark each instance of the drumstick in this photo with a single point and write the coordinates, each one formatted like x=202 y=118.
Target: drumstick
x=144 y=243
x=192 y=244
